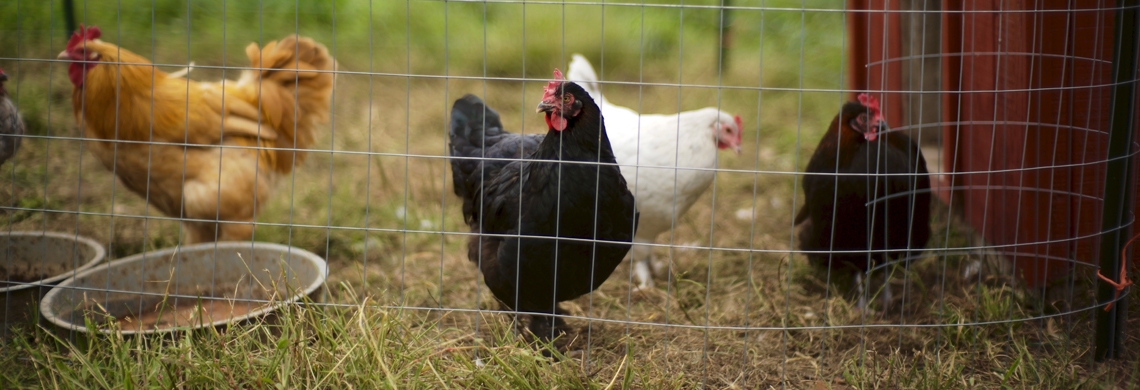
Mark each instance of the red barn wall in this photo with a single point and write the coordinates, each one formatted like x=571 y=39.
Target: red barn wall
x=1026 y=114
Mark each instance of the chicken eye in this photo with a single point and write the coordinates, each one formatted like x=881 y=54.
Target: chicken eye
x=566 y=99
x=860 y=122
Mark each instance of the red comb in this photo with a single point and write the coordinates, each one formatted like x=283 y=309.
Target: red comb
x=83 y=34
x=872 y=105
x=552 y=86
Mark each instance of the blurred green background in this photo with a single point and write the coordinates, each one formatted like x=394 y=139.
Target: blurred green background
x=430 y=36
x=781 y=47
x=404 y=63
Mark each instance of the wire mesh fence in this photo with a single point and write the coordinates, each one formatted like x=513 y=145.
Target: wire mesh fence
x=232 y=170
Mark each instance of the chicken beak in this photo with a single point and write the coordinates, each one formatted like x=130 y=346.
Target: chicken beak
x=736 y=149
x=545 y=106
x=872 y=132
x=63 y=56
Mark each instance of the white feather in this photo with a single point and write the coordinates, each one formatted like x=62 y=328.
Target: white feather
x=665 y=180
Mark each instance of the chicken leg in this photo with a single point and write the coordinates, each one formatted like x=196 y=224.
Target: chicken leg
x=642 y=258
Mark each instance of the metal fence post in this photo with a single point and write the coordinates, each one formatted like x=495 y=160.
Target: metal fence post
x=68 y=17
x=1110 y=324
x=725 y=32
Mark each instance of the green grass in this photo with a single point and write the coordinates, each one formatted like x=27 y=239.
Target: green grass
x=363 y=346
x=370 y=343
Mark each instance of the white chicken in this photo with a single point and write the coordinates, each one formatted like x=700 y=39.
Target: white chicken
x=665 y=181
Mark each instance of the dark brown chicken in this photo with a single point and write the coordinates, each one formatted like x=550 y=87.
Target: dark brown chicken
x=868 y=195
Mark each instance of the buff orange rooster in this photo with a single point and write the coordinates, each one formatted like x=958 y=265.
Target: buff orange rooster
x=208 y=153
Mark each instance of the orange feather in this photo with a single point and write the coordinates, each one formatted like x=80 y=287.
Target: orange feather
x=205 y=151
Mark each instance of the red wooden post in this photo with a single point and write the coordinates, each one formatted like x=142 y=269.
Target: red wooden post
x=1027 y=119
x=873 y=54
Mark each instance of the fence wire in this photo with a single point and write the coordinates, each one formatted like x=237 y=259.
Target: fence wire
x=1010 y=110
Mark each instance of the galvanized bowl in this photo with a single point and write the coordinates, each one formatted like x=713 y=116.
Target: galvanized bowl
x=185 y=288
x=32 y=262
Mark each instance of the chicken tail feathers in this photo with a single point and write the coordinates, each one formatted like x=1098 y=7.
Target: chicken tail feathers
x=472 y=124
x=473 y=127
x=296 y=78
x=476 y=134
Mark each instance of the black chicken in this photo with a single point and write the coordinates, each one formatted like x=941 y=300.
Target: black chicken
x=873 y=194
x=11 y=126
x=542 y=197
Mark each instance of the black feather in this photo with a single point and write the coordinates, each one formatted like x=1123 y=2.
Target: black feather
x=477 y=133
x=546 y=198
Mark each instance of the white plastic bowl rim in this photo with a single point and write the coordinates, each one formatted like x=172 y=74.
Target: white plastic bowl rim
x=100 y=253
x=319 y=263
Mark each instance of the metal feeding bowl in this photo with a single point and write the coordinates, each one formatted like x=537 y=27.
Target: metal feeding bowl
x=184 y=288
x=31 y=262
